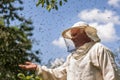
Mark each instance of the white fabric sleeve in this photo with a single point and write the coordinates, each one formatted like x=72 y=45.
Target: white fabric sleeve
x=107 y=65
x=53 y=74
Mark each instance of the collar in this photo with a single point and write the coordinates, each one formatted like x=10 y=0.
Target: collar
x=82 y=50
x=85 y=47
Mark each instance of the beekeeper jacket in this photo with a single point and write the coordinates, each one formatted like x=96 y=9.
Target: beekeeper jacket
x=92 y=61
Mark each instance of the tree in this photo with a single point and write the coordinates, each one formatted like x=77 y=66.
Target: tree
x=15 y=48
x=50 y=4
x=9 y=12
x=15 y=43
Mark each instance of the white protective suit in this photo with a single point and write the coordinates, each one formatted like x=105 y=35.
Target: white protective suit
x=92 y=61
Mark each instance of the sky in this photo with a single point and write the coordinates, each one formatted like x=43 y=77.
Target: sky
x=104 y=15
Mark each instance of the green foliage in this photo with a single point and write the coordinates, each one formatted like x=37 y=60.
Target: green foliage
x=15 y=43
x=50 y=4
x=10 y=12
x=21 y=76
x=15 y=48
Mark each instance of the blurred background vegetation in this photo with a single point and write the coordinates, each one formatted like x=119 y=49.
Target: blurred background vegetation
x=15 y=41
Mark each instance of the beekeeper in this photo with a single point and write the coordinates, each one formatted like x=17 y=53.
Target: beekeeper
x=88 y=60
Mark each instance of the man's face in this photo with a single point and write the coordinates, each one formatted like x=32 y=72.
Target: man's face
x=77 y=33
x=79 y=36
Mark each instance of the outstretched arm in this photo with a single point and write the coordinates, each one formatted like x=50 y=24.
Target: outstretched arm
x=48 y=74
x=28 y=66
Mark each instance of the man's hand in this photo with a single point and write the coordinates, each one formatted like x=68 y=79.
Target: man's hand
x=28 y=66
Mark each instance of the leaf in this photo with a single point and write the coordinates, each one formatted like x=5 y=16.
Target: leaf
x=60 y=3
x=49 y=7
x=28 y=77
x=47 y=2
x=43 y=1
x=12 y=0
x=65 y=0
x=15 y=28
x=38 y=3
x=56 y=7
x=53 y=1
x=1 y=21
x=21 y=76
x=38 y=78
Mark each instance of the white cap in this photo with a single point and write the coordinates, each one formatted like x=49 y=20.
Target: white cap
x=80 y=24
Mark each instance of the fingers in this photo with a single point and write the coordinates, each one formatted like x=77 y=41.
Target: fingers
x=28 y=66
x=28 y=63
x=22 y=66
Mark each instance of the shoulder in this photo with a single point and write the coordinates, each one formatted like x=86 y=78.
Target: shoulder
x=98 y=46
x=101 y=49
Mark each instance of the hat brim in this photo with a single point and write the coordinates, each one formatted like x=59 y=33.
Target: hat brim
x=90 y=31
